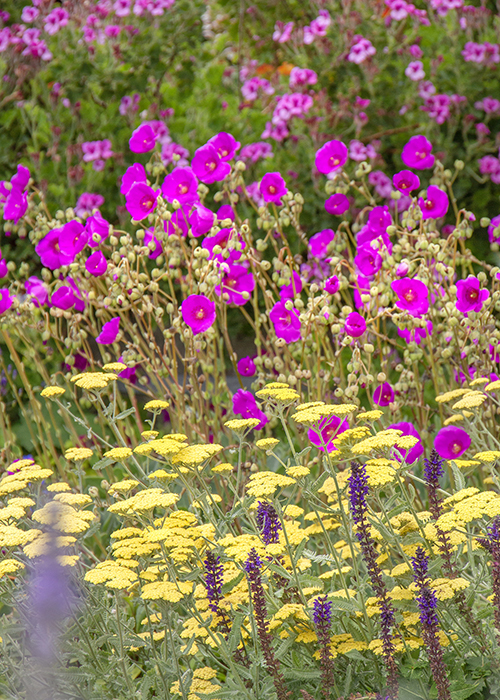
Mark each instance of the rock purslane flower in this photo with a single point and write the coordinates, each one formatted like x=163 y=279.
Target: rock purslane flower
x=451 y=442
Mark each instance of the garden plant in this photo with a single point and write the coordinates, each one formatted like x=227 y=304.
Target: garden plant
x=249 y=350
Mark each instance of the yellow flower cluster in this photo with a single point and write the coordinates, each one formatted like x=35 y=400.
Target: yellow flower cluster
x=63 y=517
x=267 y=443
x=265 y=483
x=200 y=684
x=241 y=425
x=23 y=475
x=51 y=392
x=488 y=456
x=194 y=455
x=93 y=380
x=472 y=399
x=156 y=405
x=9 y=566
x=74 y=454
x=379 y=441
x=118 y=453
x=144 y=501
x=315 y=413
x=114 y=367
x=471 y=507
x=370 y=416
x=450 y=395
x=279 y=393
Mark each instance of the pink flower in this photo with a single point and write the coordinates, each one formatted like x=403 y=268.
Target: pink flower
x=383 y=394
x=149 y=237
x=254 y=151
x=291 y=290
x=368 y=261
x=250 y=88
x=208 y=166
x=73 y=238
x=329 y=429
x=98 y=229
x=6 y=300
x=222 y=239
x=435 y=204
x=415 y=70
x=361 y=50
x=331 y=157
x=355 y=325
x=182 y=185
x=170 y=149
x=21 y=178
x=15 y=206
x=198 y=312
x=494 y=229
x=405 y=181
x=238 y=283
x=87 y=202
x=225 y=144
x=29 y=14
x=141 y=201
x=37 y=290
x=286 y=323
x=55 y=20
x=63 y=298
x=337 y=204
x=412 y=455
x=246 y=367
x=302 y=76
x=416 y=335
x=272 y=187
x=490 y=105
x=282 y=32
x=143 y=139
x=318 y=244
x=96 y=264
x=135 y=173
x=201 y=220
x=451 y=442
x=332 y=285
x=50 y=252
x=383 y=185
x=417 y=153
x=413 y=295
x=245 y=405
x=109 y=332
x=179 y=223
x=469 y=295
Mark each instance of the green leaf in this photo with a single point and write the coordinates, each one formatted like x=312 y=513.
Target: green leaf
x=124 y=414
x=458 y=477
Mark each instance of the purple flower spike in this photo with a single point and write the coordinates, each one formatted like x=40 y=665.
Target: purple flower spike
x=337 y=204
x=405 y=181
x=331 y=157
x=109 y=332
x=383 y=394
x=181 y=185
x=435 y=204
x=272 y=187
x=6 y=300
x=141 y=201
x=225 y=145
x=96 y=264
x=451 y=442
x=246 y=367
x=469 y=296
x=143 y=139
x=208 y=166
x=198 y=312
x=286 y=322
x=410 y=456
x=413 y=295
x=329 y=428
x=417 y=153
x=268 y=522
x=355 y=325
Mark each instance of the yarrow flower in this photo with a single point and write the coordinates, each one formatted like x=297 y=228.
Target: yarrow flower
x=198 y=312
x=469 y=295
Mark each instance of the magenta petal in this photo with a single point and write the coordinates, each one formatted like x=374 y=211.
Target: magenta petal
x=109 y=332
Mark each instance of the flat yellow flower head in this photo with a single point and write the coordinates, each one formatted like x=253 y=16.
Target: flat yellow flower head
x=156 y=405
x=164 y=447
x=193 y=455
x=114 y=367
x=74 y=454
x=267 y=443
x=90 y=383
x=487 y=456
x=450 y=395
x=118 y=453
x=309 y=404
x=224 y=468
x=50 y=392
x=20 y=464
x=370 y=416
x=241 y=425
x=149 y=434
x=470 y=400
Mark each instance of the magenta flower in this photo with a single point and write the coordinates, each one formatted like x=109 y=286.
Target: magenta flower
x=36 y=289
x=97 y=227
x=355 y=324
x=405 y=181
x=494 y=229
x=368 y=261
x=198 y=312
x=73 y=238
x=150 y=237
x=318 y=244
x=225 y=144
x=6 y=300
x=329 y=429
x=50 y=252
x=109 y=332
x=409 y=456
x=201 y=220
x=246 y=367
x=87 y=202
x=96 y=264
x=208 y=166
x=415 y=71
x=451 y=442
x=332 y=285
x=63 y=298
x=435 y=204
x=3 y=266
x=15 y=205
x=225 y=212
x=222 y=239
x=469 y=295
x=179 y=223
x=383 y=394
x=238 y=283
x=417 y=153
x=143 y=139
x=291 y=290
x=416 y=335
x=245 y=405
x=182 y=185
x=337 y=204
x=413 y=295
x=135 y=173
x=141 y=201
x=21 y=178
x=272 y=187
x=286 y=323
x=331 y=156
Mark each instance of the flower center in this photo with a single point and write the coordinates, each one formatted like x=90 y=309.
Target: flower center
x=429 y=204
x=456 y=448
x=404 y=185
x=147 y=202
x=334 y=161
x=409 y=295
x=420 y=155
x=272 y=189
x=200 y=314
x=183 y=189
x=472 y=294
x=212 y=165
